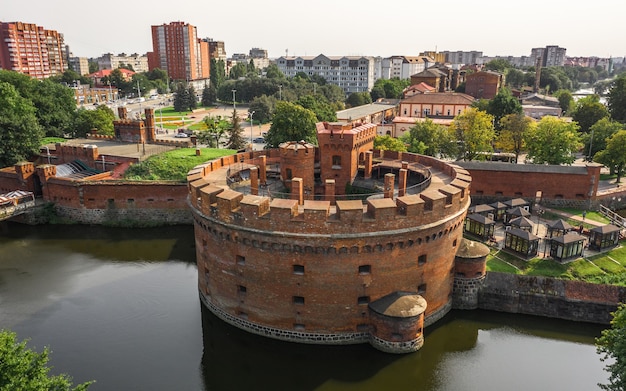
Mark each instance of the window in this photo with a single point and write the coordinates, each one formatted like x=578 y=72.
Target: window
x=298 y=300
x=289 y=173
x=241 y=260
x=241 y=289
x=421 y=260
x=421 y=289
x=365 y=269
x=363 y=300
x=336 y=161
x=298 y=269
x=298 y=326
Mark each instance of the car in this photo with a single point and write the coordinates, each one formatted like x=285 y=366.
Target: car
x=259 y=140
x=181 y=135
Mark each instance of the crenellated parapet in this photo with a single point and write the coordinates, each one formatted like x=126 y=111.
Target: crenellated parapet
x=209 y=194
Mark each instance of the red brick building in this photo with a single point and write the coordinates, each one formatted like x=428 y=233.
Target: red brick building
x=32 y=50
x=327 y=269
x=177 y=49
x=484 y=84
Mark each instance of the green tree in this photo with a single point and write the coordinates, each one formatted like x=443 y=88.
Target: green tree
x=616 y=99
x=291 y=122
x=388 y=143
x=182 y=99
x=612 y=346
x=216 y=129
x=273 y=72
x=235 y=138
x=392 y=87
x=516 y=78
x=217 y=73
x=601 y=131
x=318 y=104
x=93 y=66
x=239 y=70
x=503 y=104
x=70 y=77
x=24 y=369
x=474 y=133
x=20 y=133
x=263 y=107
x=358 y=99
x=498 y=65
x=101 y=119
x=588 y=111
x=209 y=96
x=427 y=138
x=566 y=100
x=513 y=132
x=553 y=141
x=614 y=155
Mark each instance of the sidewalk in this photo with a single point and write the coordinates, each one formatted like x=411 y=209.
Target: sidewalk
x=566 y=215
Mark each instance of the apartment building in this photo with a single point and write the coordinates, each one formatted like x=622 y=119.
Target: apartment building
x=177 y=49
x=550 y=56
x=32 y=50
x=79 y=65
x=351 y=73
x=112 y=61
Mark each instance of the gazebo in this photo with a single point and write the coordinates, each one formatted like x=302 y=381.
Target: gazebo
x=485 y=210
x=567 y=246
x=603 y=237
x=499 y=210
x=518 y=202
x=515 y=212
x=523 y=223
x=559 y=228
x=479 y=226
x=520 y=242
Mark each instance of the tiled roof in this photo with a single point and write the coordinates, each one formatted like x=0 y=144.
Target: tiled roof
x=456 y=98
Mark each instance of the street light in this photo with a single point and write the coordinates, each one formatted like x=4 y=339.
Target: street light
x=234 y=108
x=251 y=144
x=280 y=92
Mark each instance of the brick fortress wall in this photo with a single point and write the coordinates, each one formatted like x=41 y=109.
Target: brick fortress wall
x=314 y=267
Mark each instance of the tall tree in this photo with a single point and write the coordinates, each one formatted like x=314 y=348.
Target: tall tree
x=614 y=155
x=566 y=100
x=263 y=107
x=235 y=138
x=209 y=95
x=239 y=70
x=318 y=104
x=553 y=141
x=612 y=346
x=474 y=132
x=20 y=133
x=600 y=132
x=101 y=119
x=388 y=143
x=498 y=65
x=503 y=104
x=273 y=72
x=427 y=138
x=26 y=370
x=513 y=132
x=214 y=132
x=588 y=111
x=358 y=99
x=291 y=122
x=217 y=73
x=181 y=98
x=616 y=99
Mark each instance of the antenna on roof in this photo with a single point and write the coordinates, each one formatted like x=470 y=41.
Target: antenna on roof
x=286 y=52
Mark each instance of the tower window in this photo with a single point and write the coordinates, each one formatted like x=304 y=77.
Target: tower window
x=298 y=300
x=365 y=269
x=421 y=260
x=298 y=269
x=363 y=300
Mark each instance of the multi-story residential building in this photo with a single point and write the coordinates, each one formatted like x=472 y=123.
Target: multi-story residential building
x=550 y=56
x=111 y=61
x=31 y=50
x=462 y=58
x=351 y=73
x=217 y=50
x=402 y=67
x=177 y=50
x=79 y=65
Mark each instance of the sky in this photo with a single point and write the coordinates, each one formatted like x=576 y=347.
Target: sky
x=337 y=27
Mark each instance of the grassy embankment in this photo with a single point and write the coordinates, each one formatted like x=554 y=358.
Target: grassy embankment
x=173 y=165
x=606 y=268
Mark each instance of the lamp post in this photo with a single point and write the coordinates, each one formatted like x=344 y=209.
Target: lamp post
x=251 y=144
x=234 y=108
x=280 y=92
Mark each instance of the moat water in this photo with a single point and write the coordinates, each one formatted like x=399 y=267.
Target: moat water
x=121 y=307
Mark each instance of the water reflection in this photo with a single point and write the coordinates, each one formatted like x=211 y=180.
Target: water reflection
x=121 y=306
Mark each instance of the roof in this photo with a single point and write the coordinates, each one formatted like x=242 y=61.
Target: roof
x=516 y=202
x=605 y=229
x=481 y=219
x=499 y=205
x=522 y=234
x=483 y=208
x=422 y=87
x=521 y=222
x=364 y=110
x=106 y=72
x=471 y=249
x=560 y=225
x=413 y=120
x=399 y=305
x=570 y=237
x=430 y=72
x=518 y=211
x=455 y=98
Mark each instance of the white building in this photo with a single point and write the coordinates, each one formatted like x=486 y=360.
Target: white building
x=111 y=61
x=351 y=73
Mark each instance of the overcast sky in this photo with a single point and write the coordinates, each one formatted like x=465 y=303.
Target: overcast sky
x=337 y=27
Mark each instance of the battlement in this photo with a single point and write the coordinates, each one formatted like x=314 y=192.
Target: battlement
x=210 y=195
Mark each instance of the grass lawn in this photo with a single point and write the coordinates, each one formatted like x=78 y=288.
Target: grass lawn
x=545 y=267
x=582 y=269
x=173 y=165
x=593 y=215
x=497 y=265
x=52 y=140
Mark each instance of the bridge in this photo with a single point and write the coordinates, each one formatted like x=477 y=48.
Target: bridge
x=15 y=203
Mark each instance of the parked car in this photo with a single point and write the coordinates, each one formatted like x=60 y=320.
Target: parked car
x=181 y=135
x=259 y=140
